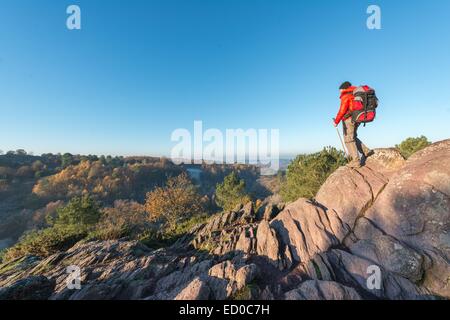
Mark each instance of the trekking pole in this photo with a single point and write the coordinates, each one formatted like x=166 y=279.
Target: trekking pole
x=342 y=141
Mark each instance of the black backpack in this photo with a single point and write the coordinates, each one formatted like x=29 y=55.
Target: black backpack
x=365 y=103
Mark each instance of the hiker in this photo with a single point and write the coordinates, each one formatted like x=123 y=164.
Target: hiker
x=358 y=106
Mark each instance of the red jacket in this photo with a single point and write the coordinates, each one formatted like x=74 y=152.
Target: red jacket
x=346 y=105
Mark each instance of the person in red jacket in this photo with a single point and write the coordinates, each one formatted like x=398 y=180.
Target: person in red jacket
x=353 y=144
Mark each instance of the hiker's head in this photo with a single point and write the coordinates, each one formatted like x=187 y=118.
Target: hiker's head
x=345 y=85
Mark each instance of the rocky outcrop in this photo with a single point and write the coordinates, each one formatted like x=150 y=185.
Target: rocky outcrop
x=322 y=290
x=304 y=230
x=392 y=214
x=126 y=270
x=268 y=245
x=376 y=232
x=31 y=288
x=415 y=209
x=228 y=232
x=196 y=290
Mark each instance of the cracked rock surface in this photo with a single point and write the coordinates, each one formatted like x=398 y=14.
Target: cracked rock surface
x=391 y=214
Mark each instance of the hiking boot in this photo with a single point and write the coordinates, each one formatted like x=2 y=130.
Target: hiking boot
x=369 y=153
x=366 y=155
x=355 y=164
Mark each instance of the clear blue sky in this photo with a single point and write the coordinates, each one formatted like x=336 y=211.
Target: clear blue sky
x=140 y=69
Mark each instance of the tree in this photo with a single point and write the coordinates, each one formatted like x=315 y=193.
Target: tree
x=83 y=211
x=178 y=200
x=104 y=183
x=307 y=173
x=411 y=145
x=66 y=160
x=37 y=165
x=21 y=152
x=231 y=192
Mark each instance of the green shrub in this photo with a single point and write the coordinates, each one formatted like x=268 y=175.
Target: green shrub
x=307 y=173
x=46 y=242
x=72 y=223
x=156 y=238
x=231 y=192
x=411 y=145
x=187 y=225
x=79 y=211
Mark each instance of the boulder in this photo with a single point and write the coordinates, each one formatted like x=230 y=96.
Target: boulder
x=415 y=209
x=268 y=245
x=246 y=241
x=386 y=161
x=391 y=255
x=228 y=232
x=358 y=272
x=347 y=194
x=196 y=290
x=304 y=230
x=228 y=277
x=245 y=275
